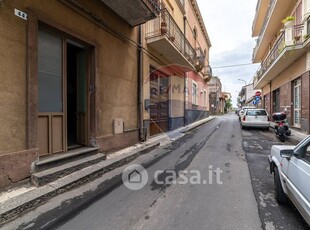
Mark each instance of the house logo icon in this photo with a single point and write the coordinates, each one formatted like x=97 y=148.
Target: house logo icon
x=135 y=177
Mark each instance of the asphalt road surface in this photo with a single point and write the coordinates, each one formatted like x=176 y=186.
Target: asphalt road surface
x=257 y=145
x=201 y=181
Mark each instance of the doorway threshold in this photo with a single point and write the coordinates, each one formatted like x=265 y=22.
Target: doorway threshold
x=71 y=147
x=50 y=161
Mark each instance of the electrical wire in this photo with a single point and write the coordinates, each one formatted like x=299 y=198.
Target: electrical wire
x=229 y=66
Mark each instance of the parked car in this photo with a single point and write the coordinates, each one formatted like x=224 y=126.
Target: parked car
x=256 y=118
x=243 y=110
x=237 y=111
x=290 y=166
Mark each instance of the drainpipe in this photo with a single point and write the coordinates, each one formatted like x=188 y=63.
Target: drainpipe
x=184 y=24
x=185 y=74
x=270 y=97
x=140 y=86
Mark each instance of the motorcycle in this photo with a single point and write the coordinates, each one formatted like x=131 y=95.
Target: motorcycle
x=281 y=127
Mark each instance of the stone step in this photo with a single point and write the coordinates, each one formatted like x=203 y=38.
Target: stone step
x=51 y=161
x=54 y=173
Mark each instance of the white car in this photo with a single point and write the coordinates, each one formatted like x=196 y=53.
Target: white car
x=243 y=110
x=257 y=118
x=291 y=168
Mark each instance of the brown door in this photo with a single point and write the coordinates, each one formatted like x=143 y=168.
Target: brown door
x=159 y=98
x=63 y=98
x=50 y=85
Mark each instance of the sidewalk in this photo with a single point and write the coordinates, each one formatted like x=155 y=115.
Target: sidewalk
x=25 y=197
x=295 y=135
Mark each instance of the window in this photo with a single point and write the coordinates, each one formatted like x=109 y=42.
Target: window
x=276 y=100
x=305 y=153
x=298 y=14
x=297 y=102
x=252 y=112
x=204 y=98
x=307 y=7
x=194 y=94
x=195 y=32
x=50 y=74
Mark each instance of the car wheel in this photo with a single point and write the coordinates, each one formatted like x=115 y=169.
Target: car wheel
x=279 y=193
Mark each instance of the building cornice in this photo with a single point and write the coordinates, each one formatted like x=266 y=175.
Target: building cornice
x=200 y=20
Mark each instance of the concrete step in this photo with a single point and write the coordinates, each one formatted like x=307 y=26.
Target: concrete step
x=54 y=173
x=51 y=161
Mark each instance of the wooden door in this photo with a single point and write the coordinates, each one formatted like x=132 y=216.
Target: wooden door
x=159 y=107
x=50 y=84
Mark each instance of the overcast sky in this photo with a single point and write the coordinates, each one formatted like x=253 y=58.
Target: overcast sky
x=229 y=25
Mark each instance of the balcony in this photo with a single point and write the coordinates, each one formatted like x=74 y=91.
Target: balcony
x=135 y=12
x=277 y=10
x=261 y=11
x=291 y=44
x=164 y=36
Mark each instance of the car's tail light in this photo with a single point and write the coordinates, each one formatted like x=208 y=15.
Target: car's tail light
x=268 y=118
x=244 y=118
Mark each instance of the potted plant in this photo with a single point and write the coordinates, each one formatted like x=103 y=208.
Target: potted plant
x=163 y=27
x=297 y=37
x=306 y=36
x=172 y=35
x=288 y=21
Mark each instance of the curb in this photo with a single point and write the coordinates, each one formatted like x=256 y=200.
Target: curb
x=15 y=206
x=195 y=125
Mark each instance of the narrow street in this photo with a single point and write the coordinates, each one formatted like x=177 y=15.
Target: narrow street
x=225 y=201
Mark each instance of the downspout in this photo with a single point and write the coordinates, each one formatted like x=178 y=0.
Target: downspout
x=270 y=97
x=140 y=86
x=185 y=74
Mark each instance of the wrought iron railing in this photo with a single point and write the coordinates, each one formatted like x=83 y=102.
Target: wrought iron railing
x=298 y=34
x=156 y=5
x=166 y=25
x=277 y=48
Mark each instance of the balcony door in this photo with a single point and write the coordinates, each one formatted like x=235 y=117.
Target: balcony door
x=297 y=102
x=62 y=96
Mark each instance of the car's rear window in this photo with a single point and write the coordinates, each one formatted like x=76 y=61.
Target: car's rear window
x=252 y=112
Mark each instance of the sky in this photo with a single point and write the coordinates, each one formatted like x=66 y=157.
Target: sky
x=229 y=26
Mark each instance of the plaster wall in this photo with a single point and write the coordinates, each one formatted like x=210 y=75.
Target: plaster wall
x=115 y=70
x=295 y=70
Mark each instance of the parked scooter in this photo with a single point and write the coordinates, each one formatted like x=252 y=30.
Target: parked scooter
x=281 y=127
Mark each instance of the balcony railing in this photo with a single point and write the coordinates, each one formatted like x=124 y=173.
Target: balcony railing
x=165 y=25
x=278 y=47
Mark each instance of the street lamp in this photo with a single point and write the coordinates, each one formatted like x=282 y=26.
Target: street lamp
x=242 y=80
